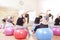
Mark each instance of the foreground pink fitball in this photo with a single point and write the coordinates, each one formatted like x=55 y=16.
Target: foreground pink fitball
x=9 y=31
x=20 y=33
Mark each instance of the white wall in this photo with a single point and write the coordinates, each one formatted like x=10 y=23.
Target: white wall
x=53 y=5
x=37 y=5
x=9 y=3
x=34 y=5
x=21 y=4
x=25 y=4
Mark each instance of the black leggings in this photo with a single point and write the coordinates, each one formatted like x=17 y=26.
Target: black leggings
x=40 y=26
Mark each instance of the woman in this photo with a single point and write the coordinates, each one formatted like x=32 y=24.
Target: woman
x=10 y=19
x=9 y=24
x=20 y=24
x=50 y=22
x=3 y=23
x=43 y=23
x=57 y=21
x=36 y=22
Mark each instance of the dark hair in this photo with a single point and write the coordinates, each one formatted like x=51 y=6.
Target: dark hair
x=27 y=15
x=50 y=15
x=20 y=21
x=40 y=17
x=59 y=16
x=4 y=20
x=37 y=20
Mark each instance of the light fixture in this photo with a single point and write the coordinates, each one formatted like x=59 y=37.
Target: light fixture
x=21 y=2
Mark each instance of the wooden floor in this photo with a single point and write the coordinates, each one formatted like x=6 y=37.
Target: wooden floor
x=3 y=37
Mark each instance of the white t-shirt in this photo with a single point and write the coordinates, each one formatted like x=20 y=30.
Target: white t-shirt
x=9 y=25
x=50 y=22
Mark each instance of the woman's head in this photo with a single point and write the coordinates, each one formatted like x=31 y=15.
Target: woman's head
x=40 y=17
x=59 y=17
x=50 y=15
x=3 y=20
x=20 y=21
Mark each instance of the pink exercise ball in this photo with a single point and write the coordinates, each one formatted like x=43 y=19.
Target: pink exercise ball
x=56 y=31
x=9 y=31
x=20 y=33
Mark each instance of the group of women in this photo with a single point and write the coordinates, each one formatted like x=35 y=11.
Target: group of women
x=41 y=21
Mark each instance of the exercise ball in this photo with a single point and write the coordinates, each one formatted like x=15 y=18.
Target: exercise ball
x=9 y=31
x=56 y=31
x=44 y=34
x=20 y=33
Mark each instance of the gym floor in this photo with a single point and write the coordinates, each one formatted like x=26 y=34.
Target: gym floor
x=3 y=37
